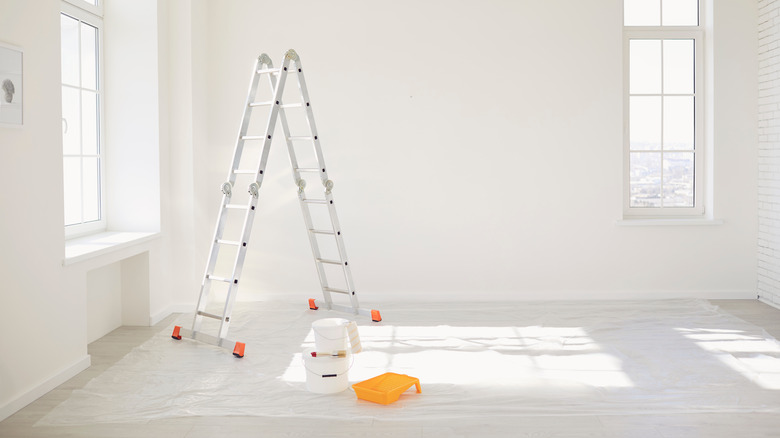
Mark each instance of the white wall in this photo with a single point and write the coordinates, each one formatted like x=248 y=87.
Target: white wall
x=769 y=156
x=52 y=308
x=44 y=318
x=476 y=151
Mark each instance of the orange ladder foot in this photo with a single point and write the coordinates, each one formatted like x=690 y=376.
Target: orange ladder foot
x=375 y=316
x=312 y=306
x=176 y=334
x=238 y=351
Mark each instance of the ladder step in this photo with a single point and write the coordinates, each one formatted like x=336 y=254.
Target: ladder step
x=330 y=262
x=236 y=206
x=213 y=278
x=291 y=105
x=229 y=242
x=263 y=103
x=315 y=201
x=244 y=171
x=209 y=315
x=299 y=137
x=307 y=169
x=331 y=232
x=273 y=71
x=252 y=137
x=338 y=291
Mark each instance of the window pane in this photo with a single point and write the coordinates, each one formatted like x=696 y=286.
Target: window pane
x=678 y=179
x=680 y=13
x=72 y=189
x=642 y=12
x=71 y=124
x=679 y=124
x=645 y=123
x=70 y=50
x=679 y=66
x=89 y=117
x=91 y=189
x=645 y=66
x=89 y=49
x=645 y=179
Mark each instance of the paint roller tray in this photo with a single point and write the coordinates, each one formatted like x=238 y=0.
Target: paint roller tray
x=385 y=388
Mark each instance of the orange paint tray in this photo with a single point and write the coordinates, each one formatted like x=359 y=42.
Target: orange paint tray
x=385 y=388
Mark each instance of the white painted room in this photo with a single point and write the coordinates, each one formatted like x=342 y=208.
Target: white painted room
x=566 y=211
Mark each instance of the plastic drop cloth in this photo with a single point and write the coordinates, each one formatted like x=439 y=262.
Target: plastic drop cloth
x=473 y=360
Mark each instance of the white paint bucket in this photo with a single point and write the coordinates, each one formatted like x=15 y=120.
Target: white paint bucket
x=330 y=334
x=326 y=374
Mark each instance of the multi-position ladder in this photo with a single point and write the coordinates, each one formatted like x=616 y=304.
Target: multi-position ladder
x=328 y=225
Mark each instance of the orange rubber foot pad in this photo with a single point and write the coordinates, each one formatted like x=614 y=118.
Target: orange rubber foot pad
x=238 y=351
x=375 y=316
x=176 y=335
x=312 y=306
x=385 y=388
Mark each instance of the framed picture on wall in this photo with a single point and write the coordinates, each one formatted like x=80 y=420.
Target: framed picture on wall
x=10 y=84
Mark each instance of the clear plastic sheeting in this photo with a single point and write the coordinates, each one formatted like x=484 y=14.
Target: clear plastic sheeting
x=473 y=360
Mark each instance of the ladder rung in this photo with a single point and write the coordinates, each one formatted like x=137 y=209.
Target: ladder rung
x=291 y=105
x=307 y=169
x=322 y=232
x=263 y=103
x=338 y=291
x=237 y=206
x=330 y=262
x=209 y=315
x=228 y=242
x=244 y=171
x=299 y=137
x=252 y=137
x=273 y=71
x=213 y=278
x=315 y=201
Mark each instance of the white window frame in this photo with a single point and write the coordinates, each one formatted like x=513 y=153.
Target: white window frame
x=93 y=16
x=667 y=33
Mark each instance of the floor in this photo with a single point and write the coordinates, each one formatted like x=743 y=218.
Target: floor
x=111 y=348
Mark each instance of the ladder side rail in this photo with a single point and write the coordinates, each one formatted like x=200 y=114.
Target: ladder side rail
x=205 y=287
x=310 y=120
x=307 y=220
x=205 y=290
x=254 y=189
x=328 y=185
x=342 y=249
x=238 y=267
x=261 y=60
x=272 y=116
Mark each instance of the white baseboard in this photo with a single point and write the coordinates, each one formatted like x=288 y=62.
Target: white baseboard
x=769 y=302
x=369 y=298
x=33 y=394
x=376 y=298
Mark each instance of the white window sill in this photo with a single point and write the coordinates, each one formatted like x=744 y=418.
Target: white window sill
x=83 y=248
x=660 y=222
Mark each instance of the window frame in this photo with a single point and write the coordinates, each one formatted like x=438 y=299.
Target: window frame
x=662 y=33
x=92 y=16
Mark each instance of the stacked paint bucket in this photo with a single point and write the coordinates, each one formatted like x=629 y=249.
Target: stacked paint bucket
x=327 y=366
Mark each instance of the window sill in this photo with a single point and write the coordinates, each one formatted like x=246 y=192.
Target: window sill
x=87 y=247
x=660 y=222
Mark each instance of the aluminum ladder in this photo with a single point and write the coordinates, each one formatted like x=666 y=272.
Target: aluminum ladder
x=277 y=79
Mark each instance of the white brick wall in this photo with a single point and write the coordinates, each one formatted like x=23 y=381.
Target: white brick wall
x=769 y=151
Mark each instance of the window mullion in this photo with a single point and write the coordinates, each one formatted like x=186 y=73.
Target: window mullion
x=663 y=101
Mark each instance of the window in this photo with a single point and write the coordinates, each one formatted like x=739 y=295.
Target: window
x=663 y=111
x=82 y=103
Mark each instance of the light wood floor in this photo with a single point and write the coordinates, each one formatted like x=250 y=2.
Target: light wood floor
x=111 y=348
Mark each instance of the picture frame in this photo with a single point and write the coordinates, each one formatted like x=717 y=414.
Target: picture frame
x=11 y=86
